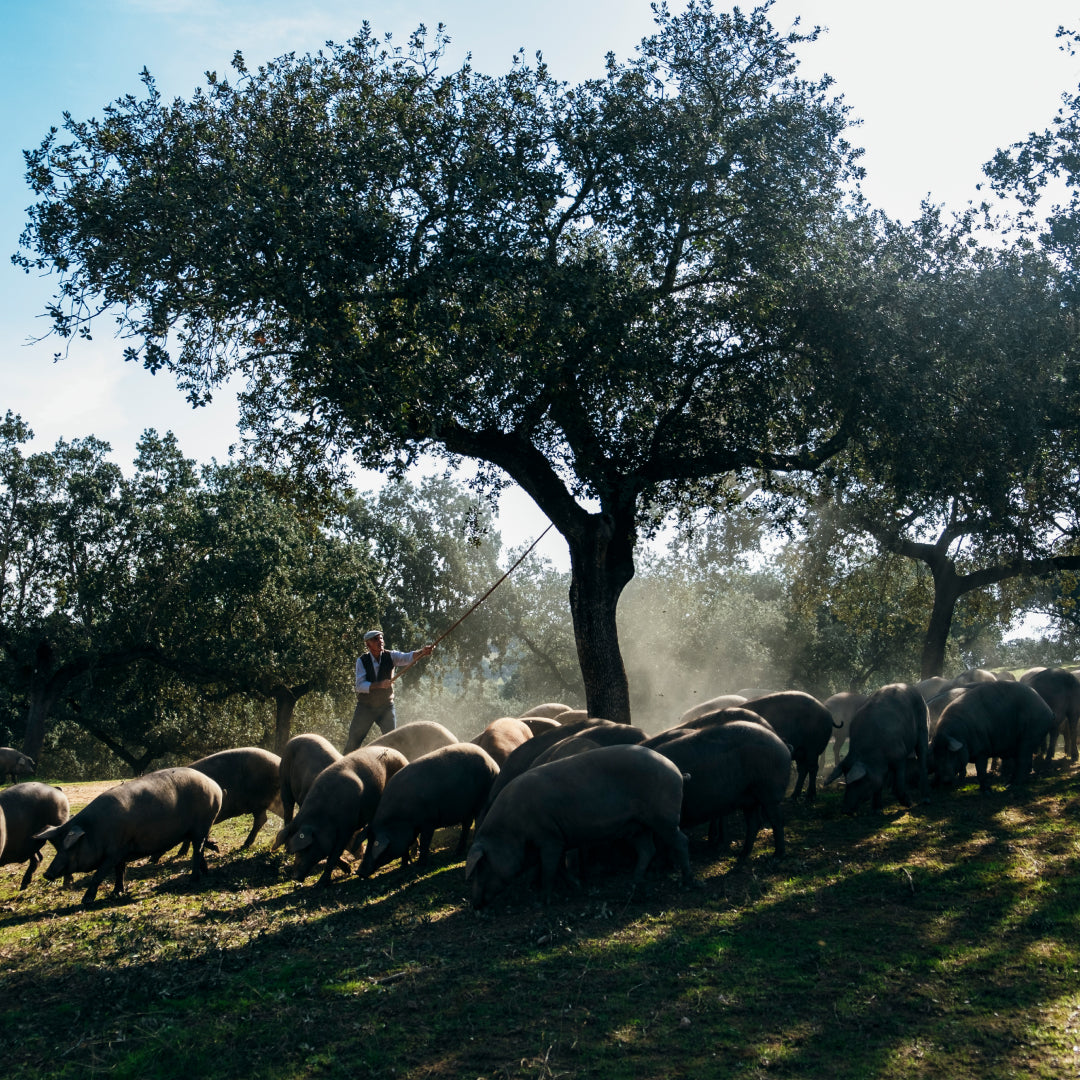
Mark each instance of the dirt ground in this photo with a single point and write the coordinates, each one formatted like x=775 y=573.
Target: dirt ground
x=80 y=794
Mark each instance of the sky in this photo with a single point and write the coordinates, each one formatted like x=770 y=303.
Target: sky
x=938 y=86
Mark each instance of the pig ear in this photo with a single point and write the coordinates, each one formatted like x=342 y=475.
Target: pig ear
x=955 y=744
x=302 y=839
x=75 y=834
x=280 y=838
x=476 y=853
x=50 y=833
x=857 y=773
x=376 y=848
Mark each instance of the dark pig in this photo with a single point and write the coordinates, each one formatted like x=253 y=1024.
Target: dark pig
x=13 y=763
x=805 y=725
x=888 y=729
x=304 y=757
x=740 y=765
x=1007 y=720
x=142 y=817
x=446 y=787
x=625 y=792
x=1060 y=689
x=342 y=800
x=28 y=809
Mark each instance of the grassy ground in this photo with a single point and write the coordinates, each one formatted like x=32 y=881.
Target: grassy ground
x=940 y=942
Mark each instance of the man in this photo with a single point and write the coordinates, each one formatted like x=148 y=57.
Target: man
x=375 y=687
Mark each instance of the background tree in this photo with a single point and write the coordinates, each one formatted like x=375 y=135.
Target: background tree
x=608 y=293
x=976 y=476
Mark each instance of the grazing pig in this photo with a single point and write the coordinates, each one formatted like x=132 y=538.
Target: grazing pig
x=130 y=821
x=342 y=800
x=1060 y=689
x=805 y=725
x=416 y=739
x=724 y=701
x=889 y=728
x=503 y=736
x=27 y=809
x=1008 y=720
x=15 y=764
x=612 y=792
x=250 y=782
x=304 y=757
x=741 y=765
x=842 y=707
x=446 y=787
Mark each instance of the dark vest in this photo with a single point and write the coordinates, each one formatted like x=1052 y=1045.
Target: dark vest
x=378 y=697
x=386 y=666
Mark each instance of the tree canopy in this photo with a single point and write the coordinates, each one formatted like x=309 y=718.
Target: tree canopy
x=611 y=293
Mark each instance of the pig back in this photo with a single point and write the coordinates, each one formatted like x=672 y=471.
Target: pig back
x=249 y=778
x=588 y=797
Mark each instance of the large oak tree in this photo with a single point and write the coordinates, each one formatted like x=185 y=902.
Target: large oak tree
x=609 y=293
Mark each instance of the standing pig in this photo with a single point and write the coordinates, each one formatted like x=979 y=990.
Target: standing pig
x=741 y=765
x=888 y=729
x=250 y=779
x=27 y=809
x=131 y=821
x=1060 y=689
x=443 y=788
x=416 y=739
x=342 y=800
x=15 y=764
x=304 y=757
x=805 y=725
x=611 y=792
x=1008 y=720
x=502 y=737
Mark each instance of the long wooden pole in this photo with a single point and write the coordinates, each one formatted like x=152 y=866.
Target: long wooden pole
x=401 y=670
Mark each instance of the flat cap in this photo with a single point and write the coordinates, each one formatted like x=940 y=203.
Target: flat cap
x=372 y=634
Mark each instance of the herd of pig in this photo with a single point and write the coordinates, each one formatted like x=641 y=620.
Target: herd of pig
x=552 y=781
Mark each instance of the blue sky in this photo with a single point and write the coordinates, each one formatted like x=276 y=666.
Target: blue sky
x=938 y=85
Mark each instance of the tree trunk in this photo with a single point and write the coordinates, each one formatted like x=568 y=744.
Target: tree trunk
x=601 y=564
x=42 y=700
x=946 y=593
x=284 y=706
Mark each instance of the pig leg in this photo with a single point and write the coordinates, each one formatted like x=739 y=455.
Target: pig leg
x=35 y=861
x=258 y=821
x=753 y=823
x=425 y=845
x=900 y=783
x=645 y=846
x=463 y=842
x=800 y=779
x=980 y=771
x=775 y=817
